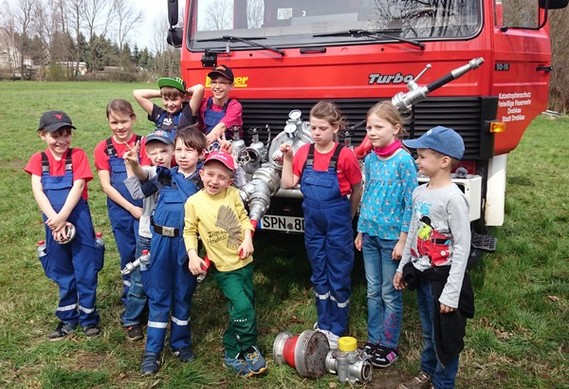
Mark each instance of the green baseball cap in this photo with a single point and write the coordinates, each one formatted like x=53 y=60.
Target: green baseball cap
x=174 y=82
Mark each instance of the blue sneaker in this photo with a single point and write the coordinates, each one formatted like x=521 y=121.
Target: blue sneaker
x=150 y=364
x=255 y=360
x=238 y=364
x=185 y=354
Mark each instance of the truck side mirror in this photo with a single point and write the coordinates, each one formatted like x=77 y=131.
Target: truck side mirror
x=175 y=36
x=173 y=13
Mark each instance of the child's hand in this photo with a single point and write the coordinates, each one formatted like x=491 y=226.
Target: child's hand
x=358 y=241
x=398 y=281
x=211 y=138
x=245 y=249
x=195 y=264
x=136 y=212
x=286 y=149
x=56 y=223
x=446 y=309
x=224 y=144
x=60 y=235
x=397 y=252
x=131 y=155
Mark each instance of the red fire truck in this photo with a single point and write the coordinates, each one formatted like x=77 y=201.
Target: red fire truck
x=483 y=64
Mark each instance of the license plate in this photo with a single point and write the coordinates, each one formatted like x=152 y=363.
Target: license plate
x=283 y=223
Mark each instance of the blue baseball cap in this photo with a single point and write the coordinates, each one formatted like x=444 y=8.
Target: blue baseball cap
x=440 y=139
x=159 y=136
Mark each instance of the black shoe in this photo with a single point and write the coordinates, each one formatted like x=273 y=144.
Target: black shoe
x=62 y=331
x=185 y=354
x=134 y=333
x=384 y=357
x=370 y=349
x=150 y=364
x=92 y=330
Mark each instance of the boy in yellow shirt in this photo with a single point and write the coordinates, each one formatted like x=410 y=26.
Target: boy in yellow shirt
x=217 y=214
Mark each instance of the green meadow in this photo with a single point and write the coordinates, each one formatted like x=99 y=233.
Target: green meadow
x=518 y=338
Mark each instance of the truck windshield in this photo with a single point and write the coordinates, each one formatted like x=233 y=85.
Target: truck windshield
x=302 y=23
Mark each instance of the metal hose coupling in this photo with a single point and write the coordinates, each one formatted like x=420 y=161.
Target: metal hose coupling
x=349 y=363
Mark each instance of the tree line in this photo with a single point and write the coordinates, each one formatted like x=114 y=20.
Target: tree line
x=71 y=39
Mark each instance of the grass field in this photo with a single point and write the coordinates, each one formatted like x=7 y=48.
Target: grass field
x=518 y=338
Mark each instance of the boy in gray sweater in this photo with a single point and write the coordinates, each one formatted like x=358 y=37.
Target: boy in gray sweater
x=435 y=258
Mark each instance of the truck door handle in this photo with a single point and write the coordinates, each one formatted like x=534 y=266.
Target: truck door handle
x=544 y=68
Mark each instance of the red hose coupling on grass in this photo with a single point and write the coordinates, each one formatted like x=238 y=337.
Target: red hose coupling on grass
x=305 y=352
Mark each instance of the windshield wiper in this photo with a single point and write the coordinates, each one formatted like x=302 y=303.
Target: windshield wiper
x=358 y=33
x=247 y=41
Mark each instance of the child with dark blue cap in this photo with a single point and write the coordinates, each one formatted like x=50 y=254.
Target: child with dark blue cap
x=59 y=183
x=435 y=258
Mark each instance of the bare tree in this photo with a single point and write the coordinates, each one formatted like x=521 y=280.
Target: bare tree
x=75 y=8
x=167 y=58
x=42 y=28
x=219 y=16
x=255 y=13
x=97 y=16
x=9 y=37
x=126 y=18
x=23 y=19
x=559 y=82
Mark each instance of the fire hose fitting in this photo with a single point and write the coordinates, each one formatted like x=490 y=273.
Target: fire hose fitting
x=348 y=362
x=309 y=353
x=143 y=261
x=305 y=352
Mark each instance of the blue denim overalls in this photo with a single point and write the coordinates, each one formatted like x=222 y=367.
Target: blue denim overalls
x=167 y=281
x=328 y=237
x=169 y=123
x=73 y=266
x=124 y=225
x=212 y=118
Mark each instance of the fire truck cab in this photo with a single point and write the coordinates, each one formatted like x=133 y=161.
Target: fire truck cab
x=288 y=54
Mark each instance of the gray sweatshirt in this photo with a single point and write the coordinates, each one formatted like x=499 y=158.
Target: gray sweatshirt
x=439 y=235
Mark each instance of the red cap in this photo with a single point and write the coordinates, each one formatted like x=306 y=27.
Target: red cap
x=223 y=157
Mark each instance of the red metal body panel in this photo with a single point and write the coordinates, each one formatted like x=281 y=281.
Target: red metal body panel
x=344 y=72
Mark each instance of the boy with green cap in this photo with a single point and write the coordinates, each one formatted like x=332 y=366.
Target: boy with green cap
x=177 y=111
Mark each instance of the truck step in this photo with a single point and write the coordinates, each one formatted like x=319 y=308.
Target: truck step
x=484 y=242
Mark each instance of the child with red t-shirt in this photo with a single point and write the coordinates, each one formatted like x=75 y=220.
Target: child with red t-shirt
x=327 y=173
x=124 y=212
x=71 y=259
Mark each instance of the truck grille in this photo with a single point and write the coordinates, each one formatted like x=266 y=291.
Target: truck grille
x=467 y=115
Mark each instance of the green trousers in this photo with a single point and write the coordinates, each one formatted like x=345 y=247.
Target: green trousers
x=237 y=286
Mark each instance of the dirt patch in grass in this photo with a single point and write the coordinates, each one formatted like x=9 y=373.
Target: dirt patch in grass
x=386 y=378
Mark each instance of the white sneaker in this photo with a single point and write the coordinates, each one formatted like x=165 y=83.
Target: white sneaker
x=332 y=339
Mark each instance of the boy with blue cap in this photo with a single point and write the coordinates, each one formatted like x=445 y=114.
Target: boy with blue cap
x=167 y=280
x=159 y=149
x=435 y=258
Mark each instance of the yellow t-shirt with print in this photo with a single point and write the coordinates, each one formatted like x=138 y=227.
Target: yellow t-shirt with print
x=220 y=221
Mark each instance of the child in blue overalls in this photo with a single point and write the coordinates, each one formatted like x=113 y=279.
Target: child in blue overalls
x=327 y=173
x=59 y=184
x=124 y=212
x=167 y=280
x=175 y=112
x=219 y=113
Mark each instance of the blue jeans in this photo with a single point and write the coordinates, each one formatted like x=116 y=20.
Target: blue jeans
x=136 y=299
x=384 y=302
x=442 y=377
